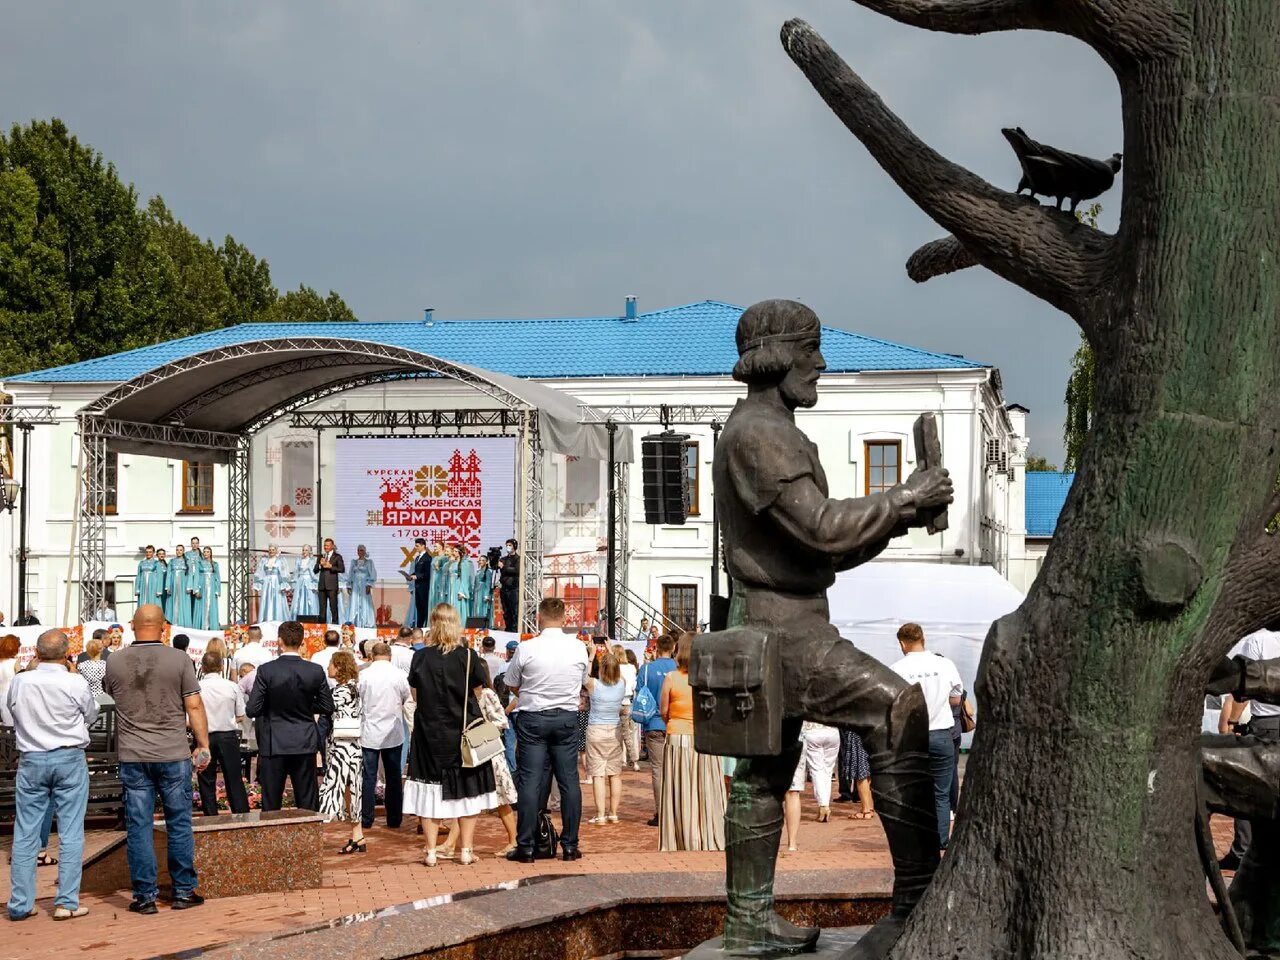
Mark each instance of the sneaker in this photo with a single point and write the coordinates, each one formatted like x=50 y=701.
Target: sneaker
x=187 y=902
x=65 y=913
x=144 y=907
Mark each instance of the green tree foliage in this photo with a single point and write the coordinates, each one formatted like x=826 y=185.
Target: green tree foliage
x=85 y=271
x=1039 y=464
x=1080 y=395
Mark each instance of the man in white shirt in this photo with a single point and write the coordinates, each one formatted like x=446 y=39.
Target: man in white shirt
x=940 y=681
x=547 y=673
x=1264 y=723
x=384 y=690
x=489 y=654
x=51 y=710
x=224 y=707
x=253 y=652
x=332 y=639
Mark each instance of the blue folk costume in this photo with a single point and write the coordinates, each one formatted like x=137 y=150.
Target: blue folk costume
x=208 y=587
x=458 y=577
x=411 y=614
x=148 y=587
x=482 y=595
x=272 y=579
x=177 y=602
x=306 y=600
x=363 y=577
x=439 y=588
x=344 y=597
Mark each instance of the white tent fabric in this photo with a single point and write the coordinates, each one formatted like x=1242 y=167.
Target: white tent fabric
x=955 y=604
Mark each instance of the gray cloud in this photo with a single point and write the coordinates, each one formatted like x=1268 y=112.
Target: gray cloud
x=511 y=158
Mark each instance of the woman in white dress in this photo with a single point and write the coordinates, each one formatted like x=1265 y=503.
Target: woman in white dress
x=504 y=783
x=272 y=579
x=306 y=602
x=340 y=791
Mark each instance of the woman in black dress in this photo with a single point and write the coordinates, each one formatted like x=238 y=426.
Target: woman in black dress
x=439 y=787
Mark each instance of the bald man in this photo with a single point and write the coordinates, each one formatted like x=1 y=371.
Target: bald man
x=157 y=697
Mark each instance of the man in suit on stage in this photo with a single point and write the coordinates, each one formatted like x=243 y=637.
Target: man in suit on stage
x=292 y=708
x=422 y=582
x=328 y=565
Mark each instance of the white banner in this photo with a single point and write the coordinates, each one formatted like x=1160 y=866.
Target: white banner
x=391 y=490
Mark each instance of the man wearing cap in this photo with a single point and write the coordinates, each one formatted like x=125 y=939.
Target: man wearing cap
x=509 y=734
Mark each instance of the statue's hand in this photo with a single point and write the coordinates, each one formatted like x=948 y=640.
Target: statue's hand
x=931 y=488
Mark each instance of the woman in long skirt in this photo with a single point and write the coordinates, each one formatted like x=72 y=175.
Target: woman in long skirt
x=148 y=584
x=482 y=591
x=442 y=678
x=691 y=815
x=855 y=769
x=208 y=587
x=272 y=578
x=306 y=601
x=340 y=791
x=177 y=599
x=504 y=782
x=363 y=577
x=344 y=597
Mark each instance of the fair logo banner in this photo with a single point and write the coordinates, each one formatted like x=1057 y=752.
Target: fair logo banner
x=392 y=490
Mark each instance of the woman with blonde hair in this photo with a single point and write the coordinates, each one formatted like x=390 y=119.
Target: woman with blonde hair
x=340 y=792
x=93 y=667
x=606 y=690
x=442 y=680
x=628 y=729
x=691 y=815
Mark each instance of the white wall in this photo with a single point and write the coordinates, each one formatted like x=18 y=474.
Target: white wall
x=853 y=408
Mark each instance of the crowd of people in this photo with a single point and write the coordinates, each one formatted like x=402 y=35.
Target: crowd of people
x=448 y=731
x=187 y=585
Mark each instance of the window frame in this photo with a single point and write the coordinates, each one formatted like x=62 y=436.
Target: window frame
x=190 y=507
x=692 y=448
x=867 y=488
x=666 y=610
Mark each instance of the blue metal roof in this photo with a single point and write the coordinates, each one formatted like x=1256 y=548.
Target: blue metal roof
x=695 y=339
x=1046 y=493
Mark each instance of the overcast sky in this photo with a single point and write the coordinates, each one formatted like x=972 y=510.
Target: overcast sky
x=518 y=158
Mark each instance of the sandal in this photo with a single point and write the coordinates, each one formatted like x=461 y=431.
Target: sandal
x=598 y=820
x=44 y=860
x=501 y=854
x=430 y=858
x=355 y=846
x=466 y=857
x=863 y=815
x=612 y=818
x=824 y=814
x=445 y=853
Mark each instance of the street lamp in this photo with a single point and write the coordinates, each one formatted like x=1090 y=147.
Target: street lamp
x=9 y=490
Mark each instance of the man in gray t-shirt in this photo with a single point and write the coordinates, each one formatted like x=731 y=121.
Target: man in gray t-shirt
x=157 y=697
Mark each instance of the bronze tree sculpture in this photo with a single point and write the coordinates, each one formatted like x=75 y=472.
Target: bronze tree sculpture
x=1075 y=833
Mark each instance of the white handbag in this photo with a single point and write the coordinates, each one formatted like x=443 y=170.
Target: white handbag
x=481 y=740
x=346 y=728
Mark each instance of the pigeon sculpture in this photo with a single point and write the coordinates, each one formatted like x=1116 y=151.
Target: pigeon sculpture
x=1051 y=172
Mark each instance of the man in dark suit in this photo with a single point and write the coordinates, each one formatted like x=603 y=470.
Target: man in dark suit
x=328 y=565
x=421 y=581
x=292 y=709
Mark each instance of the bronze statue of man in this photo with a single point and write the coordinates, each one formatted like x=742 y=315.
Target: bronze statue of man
x=784 y=541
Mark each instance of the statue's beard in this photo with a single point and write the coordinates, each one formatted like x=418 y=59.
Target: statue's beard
x=797 y=395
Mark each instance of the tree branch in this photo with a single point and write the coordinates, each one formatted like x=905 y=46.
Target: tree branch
x=1136 y=29
x=1046 y=252
x=937 y=258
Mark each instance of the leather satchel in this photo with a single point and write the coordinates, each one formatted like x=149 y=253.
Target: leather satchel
x=481 y=740
x=736 y=677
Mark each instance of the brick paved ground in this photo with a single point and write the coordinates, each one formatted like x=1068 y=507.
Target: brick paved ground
x=392 y=873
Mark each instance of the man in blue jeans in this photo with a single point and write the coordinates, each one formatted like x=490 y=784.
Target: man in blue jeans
x=651 y=677
x=940 y=681
x=509 y=734
x=157 y=696
x=51 y=710
x=547 y=674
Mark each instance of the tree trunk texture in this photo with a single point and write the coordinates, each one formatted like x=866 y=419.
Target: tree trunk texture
x=1075 y=836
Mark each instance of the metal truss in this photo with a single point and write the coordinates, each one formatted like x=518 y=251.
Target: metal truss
x=221 y=445
x=667 y=414
x=239 y=519
x=93 y=527
x=433 y=420
x=530 y=466
x=276 y=371
x=28 y=416
x=355 y=351
x=622 y=536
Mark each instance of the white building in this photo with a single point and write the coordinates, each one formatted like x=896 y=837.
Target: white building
x=870 y=396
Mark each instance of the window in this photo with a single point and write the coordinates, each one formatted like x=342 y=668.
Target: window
x=884 y=465
x=680 y=604
x=197 y=487
x=113 y=482
x=691 y=471
x=297 y=476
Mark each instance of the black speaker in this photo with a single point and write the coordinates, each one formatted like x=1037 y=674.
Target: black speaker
x=666 y=481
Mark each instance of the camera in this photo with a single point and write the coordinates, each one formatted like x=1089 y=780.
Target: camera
x=494 y=555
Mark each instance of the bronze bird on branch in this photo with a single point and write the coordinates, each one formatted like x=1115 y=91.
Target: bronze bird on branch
x=1051 y=172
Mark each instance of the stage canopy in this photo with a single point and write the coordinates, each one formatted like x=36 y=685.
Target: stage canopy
x=197 y=407
x=954 y=603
